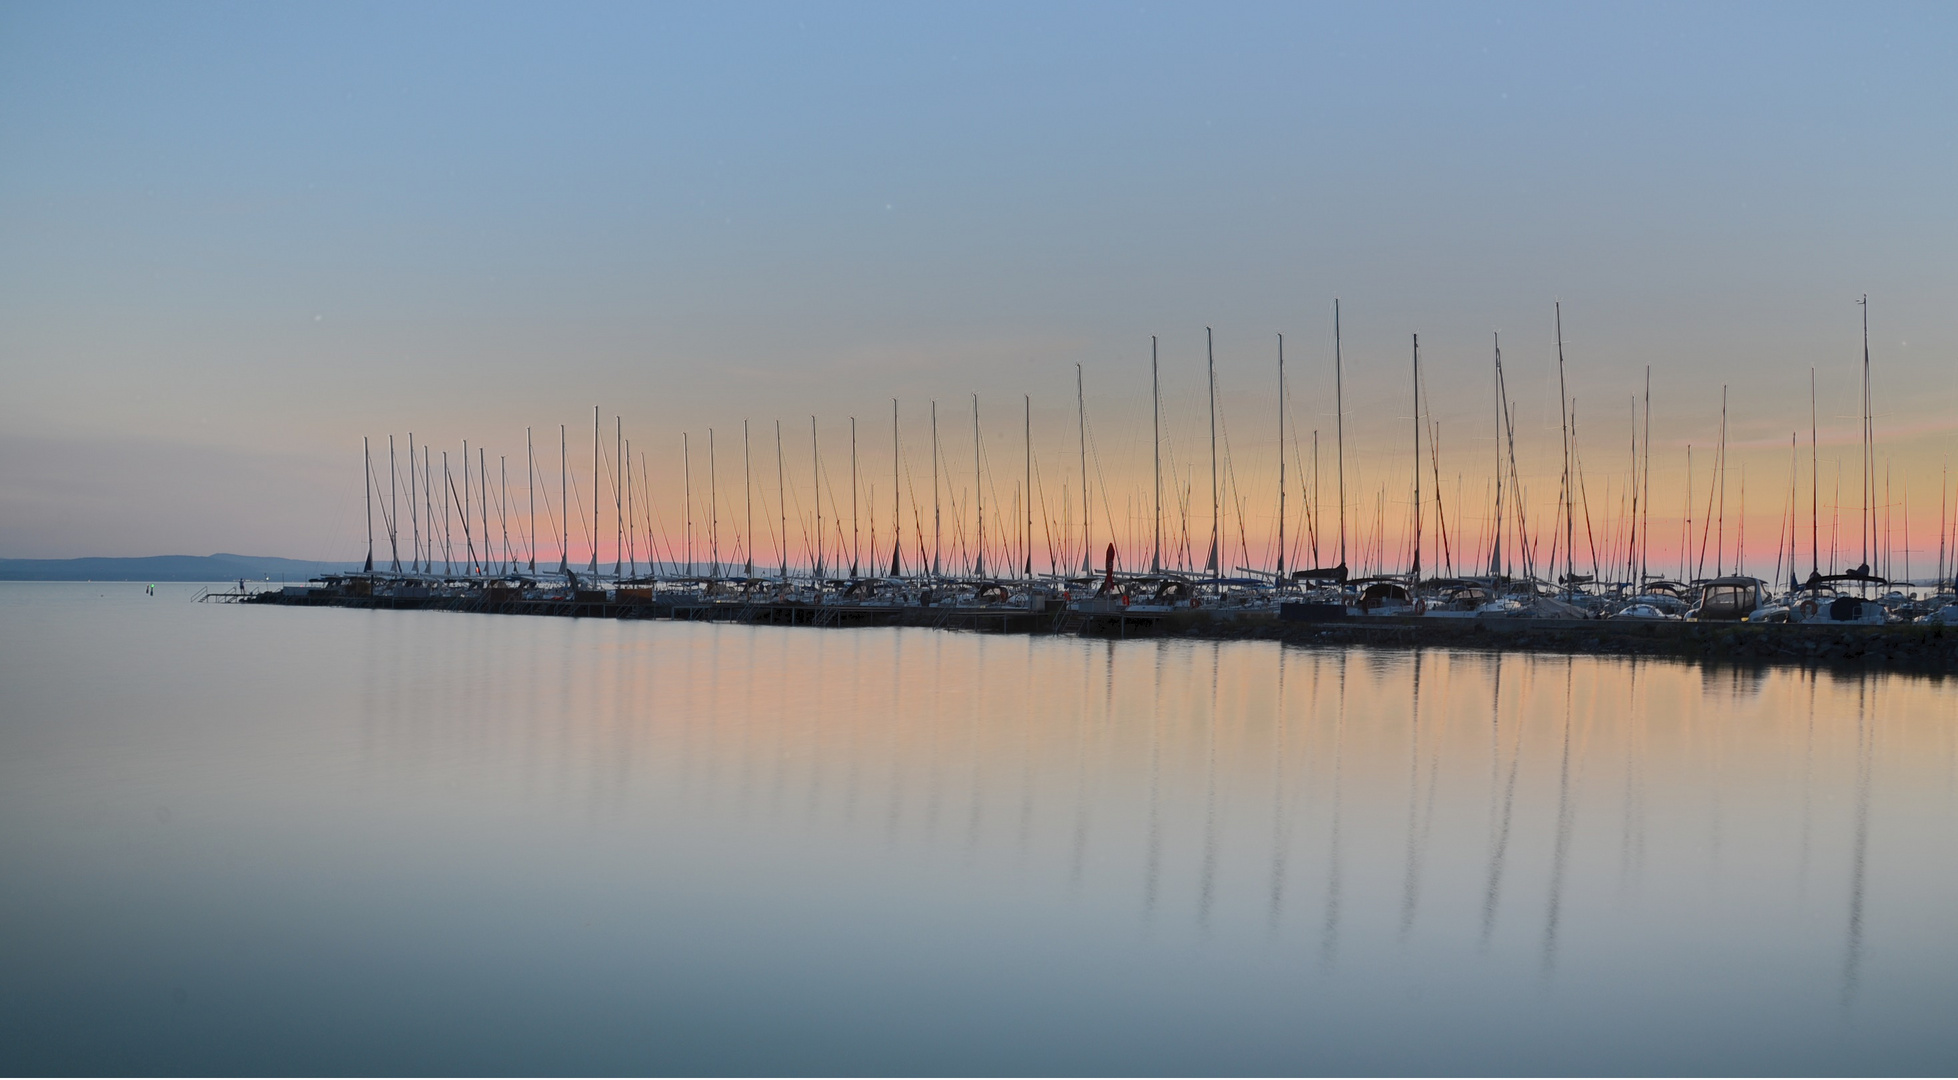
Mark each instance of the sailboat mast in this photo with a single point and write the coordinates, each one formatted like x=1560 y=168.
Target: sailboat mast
x=686 y=486
x=1216 y=504
x=367 y=494
x=482 y=494
x=631 y=538
x=1339 y=420
x=394 y=511
x=468 y=538
x=1156 y=422
x=1869 y=440
x=748 y=498
x=897 y=500
x=1794 y=500
x=414 y=510
x=782 y=504
x=1495 y=549
x=1645 y=487
x=816 y=472
x=503 y=503
x=1279 y=577
x=713 y=511
x=564 y=503
x=978 y=487
x=1570 y=504
x=594 y=492
x=1814 y=483
x=1416 y=577
x=937 y=522
x=530 y=470
x=855 y=539
x=1026 y=540
x=618 y=503
x=1081 y=419
x=1720 y=528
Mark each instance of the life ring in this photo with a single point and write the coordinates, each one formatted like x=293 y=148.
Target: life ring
x=1196 y=601
x=1420 y=606
x=1809 y=609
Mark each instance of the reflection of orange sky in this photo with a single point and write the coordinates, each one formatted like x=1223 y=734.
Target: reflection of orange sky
x=1183 y=775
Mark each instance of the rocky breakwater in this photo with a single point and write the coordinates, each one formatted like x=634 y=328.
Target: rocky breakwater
x=1898 y=646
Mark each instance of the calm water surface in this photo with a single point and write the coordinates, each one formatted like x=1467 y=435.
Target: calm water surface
x=264 y=840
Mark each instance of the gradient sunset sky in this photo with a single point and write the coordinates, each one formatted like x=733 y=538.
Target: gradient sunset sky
x=234 y=239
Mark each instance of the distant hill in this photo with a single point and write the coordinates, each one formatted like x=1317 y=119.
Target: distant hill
x=220 y=567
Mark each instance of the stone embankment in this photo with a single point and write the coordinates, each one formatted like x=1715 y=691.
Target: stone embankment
x=1932 y=649
x=1899 y=646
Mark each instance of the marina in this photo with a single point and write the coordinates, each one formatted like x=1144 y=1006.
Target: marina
x=956 y=563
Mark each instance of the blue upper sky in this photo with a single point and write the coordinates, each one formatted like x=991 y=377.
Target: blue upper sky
x=238 y=237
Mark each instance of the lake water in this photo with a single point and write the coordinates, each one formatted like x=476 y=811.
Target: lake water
x=268 y=840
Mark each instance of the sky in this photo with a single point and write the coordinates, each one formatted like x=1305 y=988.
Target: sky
x=235 y=240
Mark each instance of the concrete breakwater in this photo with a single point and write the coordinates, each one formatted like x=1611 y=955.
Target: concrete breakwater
x=1894 y=646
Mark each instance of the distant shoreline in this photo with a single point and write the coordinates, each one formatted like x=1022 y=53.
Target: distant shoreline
x=219 y=567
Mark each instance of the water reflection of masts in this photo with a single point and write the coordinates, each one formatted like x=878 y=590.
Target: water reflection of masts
x=1808 y=787
x=1280 y=835
x=1153 y=861
x=1502 y=799
x=898 y=679
x=1859 y=859
x=1206 y=888
x=1418 y=825
x=1631 y=840
x=1081 y=799
x=977 y=807
x=1026 y=758
x=1329 y=936
x=1566 y=813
